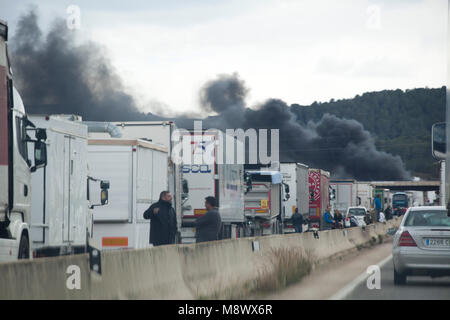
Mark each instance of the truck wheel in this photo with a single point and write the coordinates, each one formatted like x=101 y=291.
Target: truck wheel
x=24 y=247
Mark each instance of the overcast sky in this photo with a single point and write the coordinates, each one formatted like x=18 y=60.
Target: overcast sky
x=298 y=51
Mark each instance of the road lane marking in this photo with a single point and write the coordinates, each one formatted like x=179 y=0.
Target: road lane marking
x=344 y=292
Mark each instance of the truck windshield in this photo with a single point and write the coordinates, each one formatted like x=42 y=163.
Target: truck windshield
x=427 y=218
x=399 y=197
x=357 y=212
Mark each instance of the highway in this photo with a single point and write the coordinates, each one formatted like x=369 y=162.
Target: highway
x=346 y=279
x=416 y=288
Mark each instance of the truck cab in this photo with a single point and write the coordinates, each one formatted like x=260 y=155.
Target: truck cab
x=264 y=202
x=16 y=164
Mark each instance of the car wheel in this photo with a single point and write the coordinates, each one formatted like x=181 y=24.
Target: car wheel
x=399 y=278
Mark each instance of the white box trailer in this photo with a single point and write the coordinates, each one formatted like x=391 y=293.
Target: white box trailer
x=225 y=182
x=295 y=175
x=344 y=192
x=137 y=171
x=59 y=202
x=364 y=195
x=160 y=133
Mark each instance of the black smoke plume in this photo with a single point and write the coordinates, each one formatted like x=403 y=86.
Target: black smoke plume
x=55 y=75
x=341 y=146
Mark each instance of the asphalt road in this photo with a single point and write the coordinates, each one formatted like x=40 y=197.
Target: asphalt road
x=416 y=288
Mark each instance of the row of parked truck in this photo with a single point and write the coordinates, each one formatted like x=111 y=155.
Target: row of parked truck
x=66 y=183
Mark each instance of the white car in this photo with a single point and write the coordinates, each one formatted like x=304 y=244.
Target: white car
x=358 y=213
x=422 y=244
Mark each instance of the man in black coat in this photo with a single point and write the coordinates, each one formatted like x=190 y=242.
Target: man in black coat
x=297 y=221
x=209 y=225
x=163 y=225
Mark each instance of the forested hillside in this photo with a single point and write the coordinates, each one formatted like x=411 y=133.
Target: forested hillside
x=400 y=122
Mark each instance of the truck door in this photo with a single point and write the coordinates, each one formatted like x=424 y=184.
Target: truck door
x=4 y=129
x=77 y=187
x=66 y=190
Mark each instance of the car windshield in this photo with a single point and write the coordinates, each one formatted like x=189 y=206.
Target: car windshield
x=357 y=212
x=427 y=218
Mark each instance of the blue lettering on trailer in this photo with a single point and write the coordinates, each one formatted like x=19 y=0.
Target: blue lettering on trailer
x=195 y=168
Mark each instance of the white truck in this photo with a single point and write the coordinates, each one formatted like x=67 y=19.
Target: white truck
x=264 y=202
x=295 y=175
x=137 y=171
x=157 y=132
x=15 y=164
x=364 y=195
x=223 y=181
x=343 y=195
x=61 y=219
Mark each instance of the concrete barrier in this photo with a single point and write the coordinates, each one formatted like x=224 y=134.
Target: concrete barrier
x=172 y=272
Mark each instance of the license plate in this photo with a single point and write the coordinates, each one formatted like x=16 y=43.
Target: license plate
x=437 y=243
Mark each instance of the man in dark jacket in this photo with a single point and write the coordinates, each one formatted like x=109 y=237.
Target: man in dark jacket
x=163 y=225
x=208 y=226
x=297 y=221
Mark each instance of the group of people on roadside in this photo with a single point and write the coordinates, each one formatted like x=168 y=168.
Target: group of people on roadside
x=333 y=222
x=163 y=226
x=337 y=221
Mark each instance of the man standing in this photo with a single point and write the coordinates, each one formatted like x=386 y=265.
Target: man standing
x=297 y=221
x=327 y=220
x=208 y=226
x=378 y=206
x=163 y=225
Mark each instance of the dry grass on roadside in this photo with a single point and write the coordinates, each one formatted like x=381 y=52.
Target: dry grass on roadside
x=287 y=266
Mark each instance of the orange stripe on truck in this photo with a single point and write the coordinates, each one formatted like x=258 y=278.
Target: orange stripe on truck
x=115 y=241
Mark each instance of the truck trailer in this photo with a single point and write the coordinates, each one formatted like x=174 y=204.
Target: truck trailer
x=364 y=195
x=224 y=181
x=295 y=175
x=343 y=194
x=61 y=219
x=160 y=133
x=137 y=171
x=319 y=196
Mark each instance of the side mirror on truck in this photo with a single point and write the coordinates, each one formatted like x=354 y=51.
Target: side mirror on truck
x=185 y=193
x=438 y=140
x=40 y=155
x=185 y=186
x=248 y=182
x=104 y=185
x=286 y=192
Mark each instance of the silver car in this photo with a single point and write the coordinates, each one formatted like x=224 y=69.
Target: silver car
x=422 y=244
